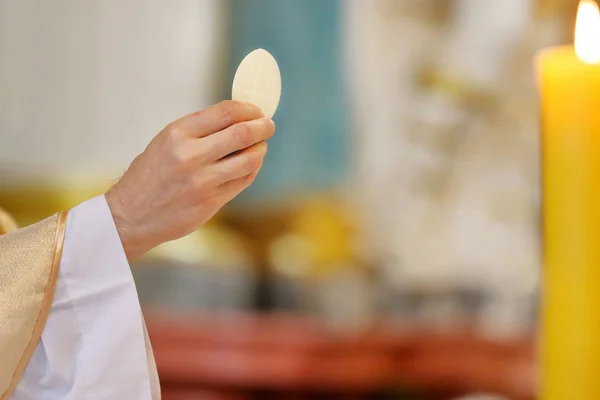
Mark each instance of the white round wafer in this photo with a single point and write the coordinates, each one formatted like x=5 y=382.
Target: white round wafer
x=258 y=81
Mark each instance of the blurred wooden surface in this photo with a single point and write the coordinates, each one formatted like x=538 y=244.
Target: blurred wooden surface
x=269 y=356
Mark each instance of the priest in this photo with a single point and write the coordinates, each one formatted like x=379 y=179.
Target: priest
x=71 y=326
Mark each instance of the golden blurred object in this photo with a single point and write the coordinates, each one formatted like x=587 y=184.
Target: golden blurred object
x=212 y=245
x=7 y=223
x=291 y=255
x=436 y=11
x=561 y=10
x=327 y=230
x=442 y=82
x=328 y=227
x=314 y=236
x=555 y=7
x=32 y=201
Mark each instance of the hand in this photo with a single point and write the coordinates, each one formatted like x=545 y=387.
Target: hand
x=187 y=173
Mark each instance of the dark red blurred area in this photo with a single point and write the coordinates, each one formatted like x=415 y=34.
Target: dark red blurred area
x=249 y=356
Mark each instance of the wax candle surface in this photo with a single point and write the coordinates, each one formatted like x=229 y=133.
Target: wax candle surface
x=570 y=141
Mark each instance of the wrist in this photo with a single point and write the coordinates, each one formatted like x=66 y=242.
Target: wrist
x=132 y=238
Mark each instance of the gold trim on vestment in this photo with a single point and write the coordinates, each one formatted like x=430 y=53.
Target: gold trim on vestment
x=29 y=266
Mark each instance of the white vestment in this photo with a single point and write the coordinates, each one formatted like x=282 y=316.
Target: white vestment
x=94 y=344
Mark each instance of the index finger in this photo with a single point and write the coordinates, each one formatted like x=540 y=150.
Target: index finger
x=218 y=117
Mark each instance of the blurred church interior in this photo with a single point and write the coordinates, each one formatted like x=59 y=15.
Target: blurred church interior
x=390 y=246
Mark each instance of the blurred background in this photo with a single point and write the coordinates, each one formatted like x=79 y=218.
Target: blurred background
x=390 y=246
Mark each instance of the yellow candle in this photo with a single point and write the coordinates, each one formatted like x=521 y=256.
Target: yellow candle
x=569 y=79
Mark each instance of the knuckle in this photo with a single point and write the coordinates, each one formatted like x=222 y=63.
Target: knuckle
x=264 y=148
x=260 y=150
x=182 y=155
x=173 y=132
x=205 y=153
x=248 y=179
x=253 y=161
x=216 y=177
x=242 y=136
x=228 y=111
x=201 y=183
x=270 y=133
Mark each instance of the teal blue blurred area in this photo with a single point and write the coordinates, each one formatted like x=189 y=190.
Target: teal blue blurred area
x=309 y=152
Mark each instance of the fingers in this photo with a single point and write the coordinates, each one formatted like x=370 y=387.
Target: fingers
x=235 y=138
x=241 y=164
x=232 y=188
x=216 y=118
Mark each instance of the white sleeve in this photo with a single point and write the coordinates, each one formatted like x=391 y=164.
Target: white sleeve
x=94 y=344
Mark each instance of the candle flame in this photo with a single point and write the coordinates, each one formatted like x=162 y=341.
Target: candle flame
x=587 y=32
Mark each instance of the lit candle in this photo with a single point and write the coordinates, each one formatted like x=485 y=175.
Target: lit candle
x=570 y=95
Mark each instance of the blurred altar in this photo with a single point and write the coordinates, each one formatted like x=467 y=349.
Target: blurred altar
x=394 y=228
